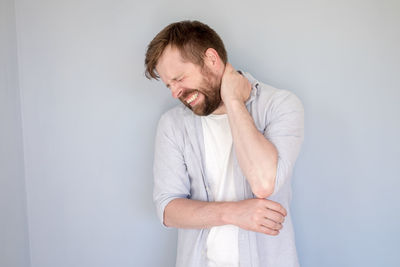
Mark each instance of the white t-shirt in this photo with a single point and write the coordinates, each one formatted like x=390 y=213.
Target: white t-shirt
x=222 y=241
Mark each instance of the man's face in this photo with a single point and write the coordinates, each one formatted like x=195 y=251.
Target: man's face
x=196 y=87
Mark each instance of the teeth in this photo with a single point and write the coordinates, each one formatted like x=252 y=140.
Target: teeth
x=190 y=100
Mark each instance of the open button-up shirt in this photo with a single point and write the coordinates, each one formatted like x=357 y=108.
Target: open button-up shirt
x=179 y=172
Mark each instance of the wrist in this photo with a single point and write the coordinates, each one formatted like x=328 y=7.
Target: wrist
x=228 y=213
x=234 y=104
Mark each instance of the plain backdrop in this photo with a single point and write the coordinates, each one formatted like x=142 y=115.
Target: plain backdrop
x=78 y=121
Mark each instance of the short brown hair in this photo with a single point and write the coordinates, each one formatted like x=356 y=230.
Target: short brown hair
x=192 y=38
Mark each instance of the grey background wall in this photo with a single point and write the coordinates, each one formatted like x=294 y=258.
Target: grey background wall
x=14 y=243
x=89 y=118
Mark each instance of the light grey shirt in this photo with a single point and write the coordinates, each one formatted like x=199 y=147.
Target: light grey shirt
x=179 y=173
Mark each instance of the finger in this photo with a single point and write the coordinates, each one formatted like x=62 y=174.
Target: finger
x=228 y=67
x=271 y=224
x=272 y=205
x=267 y=231
x=274 y=216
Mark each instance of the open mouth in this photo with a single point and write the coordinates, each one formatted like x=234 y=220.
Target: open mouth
x=191 y=100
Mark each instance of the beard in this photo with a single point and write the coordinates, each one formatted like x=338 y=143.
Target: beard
x=210 y=88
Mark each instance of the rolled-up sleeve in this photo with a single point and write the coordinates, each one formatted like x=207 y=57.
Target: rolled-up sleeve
x=171 y=179
x=285 y=129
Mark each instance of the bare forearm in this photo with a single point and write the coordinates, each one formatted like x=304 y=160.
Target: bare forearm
x=188 y=213
x=257 y=156
x=259 y=215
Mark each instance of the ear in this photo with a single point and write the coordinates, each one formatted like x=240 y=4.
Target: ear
x=212 y=59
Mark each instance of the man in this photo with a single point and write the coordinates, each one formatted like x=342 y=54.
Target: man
x=223 y=159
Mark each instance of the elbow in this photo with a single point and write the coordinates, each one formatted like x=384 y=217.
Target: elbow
x=264 y=187
x=264 y=178
x=263 y=191
x=165 y=221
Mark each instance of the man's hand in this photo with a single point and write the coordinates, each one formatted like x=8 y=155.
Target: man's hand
x=258 y=215
x=234 y=86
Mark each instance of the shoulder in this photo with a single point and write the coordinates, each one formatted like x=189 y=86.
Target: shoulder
x=280 y=106
x=173 y=124
x=173 y=117
x=174 y=127
x=275 y=99
x=268 y=96
x=271 y=104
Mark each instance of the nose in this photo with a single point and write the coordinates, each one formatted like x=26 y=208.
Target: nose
x=176 y=91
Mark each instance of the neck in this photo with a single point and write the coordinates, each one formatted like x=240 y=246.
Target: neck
x=220 y=110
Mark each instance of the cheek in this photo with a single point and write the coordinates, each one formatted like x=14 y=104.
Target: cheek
x=188 y=84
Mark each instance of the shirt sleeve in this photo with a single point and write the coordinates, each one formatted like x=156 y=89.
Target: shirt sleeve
x=285 y=129
x=171 y=178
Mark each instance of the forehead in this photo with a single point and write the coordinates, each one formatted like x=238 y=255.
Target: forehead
x=171 y=64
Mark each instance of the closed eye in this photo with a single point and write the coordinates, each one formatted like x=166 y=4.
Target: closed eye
x=176 y=80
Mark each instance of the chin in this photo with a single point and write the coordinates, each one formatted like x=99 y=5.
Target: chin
x=200 y=112
x=203 y=112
